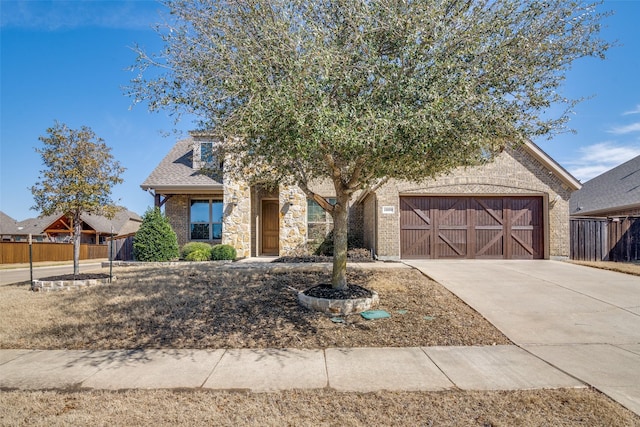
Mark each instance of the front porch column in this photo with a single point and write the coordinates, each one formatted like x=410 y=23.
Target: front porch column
x=293 y=221
x=236 y=219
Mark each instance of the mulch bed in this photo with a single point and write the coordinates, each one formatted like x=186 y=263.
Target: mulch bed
x=319 y=258
x=327 y=292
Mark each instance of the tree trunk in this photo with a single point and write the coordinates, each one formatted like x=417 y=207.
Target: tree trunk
x=77 y=234
x=340 y=218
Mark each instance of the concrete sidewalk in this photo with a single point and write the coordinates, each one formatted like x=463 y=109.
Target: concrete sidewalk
x=572 y=325
x=343 y=369
x=581 y=320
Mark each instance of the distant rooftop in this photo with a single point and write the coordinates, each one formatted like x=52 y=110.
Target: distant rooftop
x=616 y=189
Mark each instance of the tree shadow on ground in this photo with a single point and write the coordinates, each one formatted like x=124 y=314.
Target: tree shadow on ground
x=191 y=307
x=202 y=306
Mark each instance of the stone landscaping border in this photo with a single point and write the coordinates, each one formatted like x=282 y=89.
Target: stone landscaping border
x=68 y=285
x=338 y=306
x=105 y=264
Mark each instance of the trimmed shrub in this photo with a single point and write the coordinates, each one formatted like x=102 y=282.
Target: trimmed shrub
x=199 y=255
x=223 y=252
x=155 y=240
x=191 y=247
x=325 y=248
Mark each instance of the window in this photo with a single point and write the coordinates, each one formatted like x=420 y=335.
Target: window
x=206 y=152
x=319 y=221
x=206 y=220
x=205 y=156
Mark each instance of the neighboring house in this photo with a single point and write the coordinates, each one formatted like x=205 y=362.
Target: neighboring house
x=8 y=227
x=57 y=228
x=605 y=216
x=615 y=193
x=12 y=230
x=516 y=207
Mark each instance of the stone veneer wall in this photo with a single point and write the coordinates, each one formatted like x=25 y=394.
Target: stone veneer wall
x=293 y=220
x=293 y=217
x=236 y=219
x=513 y=172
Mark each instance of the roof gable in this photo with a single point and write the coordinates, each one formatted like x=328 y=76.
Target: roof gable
x=552 y=165
x=176 y=171
x=103 y=224
x=616 y=189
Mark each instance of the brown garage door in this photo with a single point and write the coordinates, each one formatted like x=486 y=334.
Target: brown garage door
x=471 y=227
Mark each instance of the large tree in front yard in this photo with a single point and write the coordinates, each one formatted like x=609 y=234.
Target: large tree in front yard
x=77 y=179
x=360 y=91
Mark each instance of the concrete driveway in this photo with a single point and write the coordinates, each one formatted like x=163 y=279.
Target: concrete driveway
x=581 y=320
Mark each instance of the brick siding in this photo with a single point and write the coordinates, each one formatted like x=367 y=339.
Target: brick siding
x=513 y=172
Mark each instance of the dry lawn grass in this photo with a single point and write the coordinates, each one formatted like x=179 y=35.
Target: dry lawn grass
x=621 y=267
x=200 y=306
x=212 y=307
x=582 y=407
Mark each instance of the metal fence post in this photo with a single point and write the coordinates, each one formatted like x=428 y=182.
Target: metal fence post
x=31 y=259
x=111 y=257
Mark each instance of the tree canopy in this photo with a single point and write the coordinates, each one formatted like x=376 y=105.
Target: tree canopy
x=358 y=91
x=78 y=177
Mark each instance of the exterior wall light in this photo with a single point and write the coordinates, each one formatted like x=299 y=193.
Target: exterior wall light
x=291 y=197
x=234 y=200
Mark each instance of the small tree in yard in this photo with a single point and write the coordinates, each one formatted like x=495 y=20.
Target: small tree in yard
x=155 y=240
x=78 y=177
x=361 y=91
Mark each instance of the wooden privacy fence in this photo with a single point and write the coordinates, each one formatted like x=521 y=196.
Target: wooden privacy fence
x=18 y=252
x=605 y=239
x=122 y=248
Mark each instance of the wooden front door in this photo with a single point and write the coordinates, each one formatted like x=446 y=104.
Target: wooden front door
x=270 y=227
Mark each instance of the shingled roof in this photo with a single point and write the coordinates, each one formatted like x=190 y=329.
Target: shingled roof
x=36 y=226
x=176 y=174
x=103 y=225
x=615 y=190
x=124 y=222
x=8 y=225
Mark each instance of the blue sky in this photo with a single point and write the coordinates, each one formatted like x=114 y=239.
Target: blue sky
x=67 y=61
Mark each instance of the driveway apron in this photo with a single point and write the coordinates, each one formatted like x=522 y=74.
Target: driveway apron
x=581 y=320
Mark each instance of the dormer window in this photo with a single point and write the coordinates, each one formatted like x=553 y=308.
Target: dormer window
x=204 y=155
x=206 y=152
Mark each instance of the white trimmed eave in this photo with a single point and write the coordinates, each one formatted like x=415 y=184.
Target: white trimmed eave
x=553 y=166
x=184 y=189
x=605 y=212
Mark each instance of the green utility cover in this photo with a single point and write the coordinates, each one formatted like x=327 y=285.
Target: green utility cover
x=401 y=311
x=337 y=320
x=375 y=314
x=428 y=318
